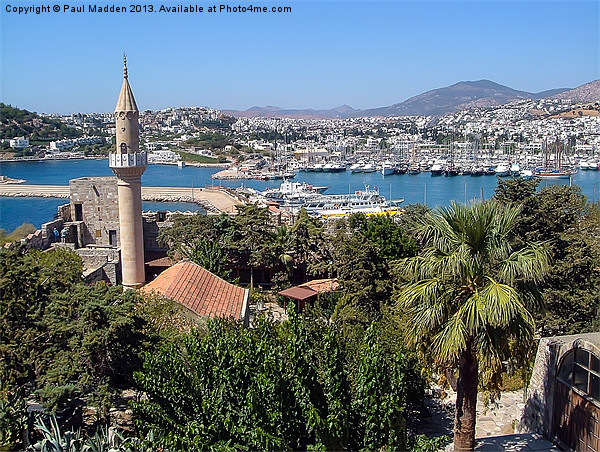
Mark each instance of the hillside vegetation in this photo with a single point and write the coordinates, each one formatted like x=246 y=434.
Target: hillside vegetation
x=15 y=122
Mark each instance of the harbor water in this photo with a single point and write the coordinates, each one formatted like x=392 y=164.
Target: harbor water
x=420 y=188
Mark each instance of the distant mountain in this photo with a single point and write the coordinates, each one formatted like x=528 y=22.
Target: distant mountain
x=343 y=111
x=460 y=96
x=590 y=92
x=437 y=102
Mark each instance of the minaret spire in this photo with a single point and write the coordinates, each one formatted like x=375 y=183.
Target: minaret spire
x=126 y=100
x=128 y=163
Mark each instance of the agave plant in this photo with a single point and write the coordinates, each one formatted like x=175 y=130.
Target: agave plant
x=106 y=439
x=54 y=440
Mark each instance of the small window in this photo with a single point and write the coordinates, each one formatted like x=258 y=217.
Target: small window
x=565 y=372
x=98 y=233
x=580 y=378
x=582 y=357
x=594 y=363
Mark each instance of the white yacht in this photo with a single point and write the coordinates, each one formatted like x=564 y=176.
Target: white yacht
x=515 y=169
x=369 y=168
x=367 y=201
x=502 y=169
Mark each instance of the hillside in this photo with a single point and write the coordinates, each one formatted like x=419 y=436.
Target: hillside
x=16 y=122
x=460 y=96
x=343 y=111
x=436 y=102
x=590 y=92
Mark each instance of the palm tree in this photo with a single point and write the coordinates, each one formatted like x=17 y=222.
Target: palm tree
x=469 y=297
x=282 y=243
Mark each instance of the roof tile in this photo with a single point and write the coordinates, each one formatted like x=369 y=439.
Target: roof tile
x=199 y=290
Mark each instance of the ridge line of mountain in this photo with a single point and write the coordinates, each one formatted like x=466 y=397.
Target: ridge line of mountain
x=436 y=102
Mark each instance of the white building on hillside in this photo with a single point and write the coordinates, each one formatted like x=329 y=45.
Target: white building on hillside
x=19 y=143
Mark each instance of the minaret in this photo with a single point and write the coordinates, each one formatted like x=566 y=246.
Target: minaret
x=128 y=164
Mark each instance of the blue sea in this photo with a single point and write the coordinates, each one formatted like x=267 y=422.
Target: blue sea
x=422 y=188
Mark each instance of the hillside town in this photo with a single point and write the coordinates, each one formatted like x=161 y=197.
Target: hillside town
x=518 y=127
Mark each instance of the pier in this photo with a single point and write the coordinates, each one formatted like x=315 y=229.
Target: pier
x=215 y=199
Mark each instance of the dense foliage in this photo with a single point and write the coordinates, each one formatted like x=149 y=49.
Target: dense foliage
x=291 y=386
x=562 y=217
x=60 y=338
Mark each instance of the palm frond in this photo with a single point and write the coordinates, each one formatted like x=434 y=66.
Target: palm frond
x=530 y=264
x=450 y=341
x=501 y=305
x=470 y=313
x=425 y=306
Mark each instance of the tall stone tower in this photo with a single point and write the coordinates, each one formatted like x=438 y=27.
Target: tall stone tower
x=128 y=164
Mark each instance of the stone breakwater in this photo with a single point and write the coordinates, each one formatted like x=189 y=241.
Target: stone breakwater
x=212 y=200
x=24 y=194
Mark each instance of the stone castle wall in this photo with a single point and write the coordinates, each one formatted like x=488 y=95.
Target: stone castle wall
x=538 y=411
x=100 y=208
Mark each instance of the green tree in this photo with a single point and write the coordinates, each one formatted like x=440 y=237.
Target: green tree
x=469 y=297
x=562 y=216
x=276 y=387
x=251 y=236
x=363 y=255
x=199 y=238
x=308 y=245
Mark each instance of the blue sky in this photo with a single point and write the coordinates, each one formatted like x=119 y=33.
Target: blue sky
x=323 y=54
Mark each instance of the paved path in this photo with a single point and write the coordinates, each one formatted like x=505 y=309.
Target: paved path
x=218 y=198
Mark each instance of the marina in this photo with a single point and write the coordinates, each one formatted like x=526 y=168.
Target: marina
x=417 y=188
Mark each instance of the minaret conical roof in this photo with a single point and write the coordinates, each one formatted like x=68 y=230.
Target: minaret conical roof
x=126 y=100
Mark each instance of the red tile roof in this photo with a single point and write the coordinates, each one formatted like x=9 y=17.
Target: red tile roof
x=200 y=291
x=322 y=285
x=298 y=293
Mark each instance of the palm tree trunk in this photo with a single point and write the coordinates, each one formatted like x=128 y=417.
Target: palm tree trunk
x=466 y=400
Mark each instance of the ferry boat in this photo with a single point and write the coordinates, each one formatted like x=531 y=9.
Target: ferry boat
x=367 y=201
x=293 y=191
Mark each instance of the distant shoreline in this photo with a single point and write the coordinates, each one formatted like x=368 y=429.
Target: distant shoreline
x=39 y=159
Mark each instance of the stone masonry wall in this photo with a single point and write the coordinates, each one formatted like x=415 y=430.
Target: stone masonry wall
x=538 y=411
x=100 y=207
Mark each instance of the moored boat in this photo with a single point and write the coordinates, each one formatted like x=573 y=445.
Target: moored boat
x=502 y=170
x=367 y=201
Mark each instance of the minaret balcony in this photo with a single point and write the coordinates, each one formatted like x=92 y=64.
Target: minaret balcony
x=116 y=160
